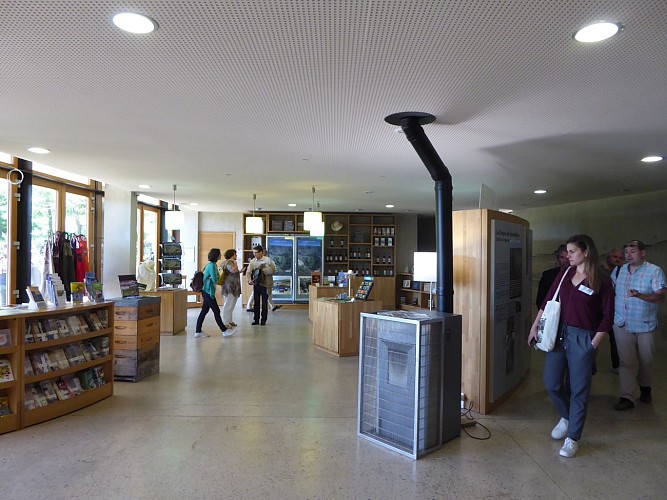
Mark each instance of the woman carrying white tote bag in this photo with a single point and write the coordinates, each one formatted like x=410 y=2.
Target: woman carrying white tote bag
x=586 y=314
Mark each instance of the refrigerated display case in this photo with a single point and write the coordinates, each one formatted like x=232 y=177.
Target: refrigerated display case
x=296 y=257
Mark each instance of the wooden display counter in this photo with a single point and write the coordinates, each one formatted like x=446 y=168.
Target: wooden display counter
x=319 y=292
x=174 y=309
x=336 y=324
x=60 y=360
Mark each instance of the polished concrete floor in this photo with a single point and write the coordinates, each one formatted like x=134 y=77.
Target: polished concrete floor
x=264 y=415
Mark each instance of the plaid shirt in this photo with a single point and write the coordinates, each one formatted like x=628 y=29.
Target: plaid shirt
x=635 y=314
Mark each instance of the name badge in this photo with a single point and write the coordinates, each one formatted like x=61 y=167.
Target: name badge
x=586 y=290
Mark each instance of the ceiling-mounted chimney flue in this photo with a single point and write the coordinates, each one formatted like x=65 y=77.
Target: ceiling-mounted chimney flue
x=411 y=122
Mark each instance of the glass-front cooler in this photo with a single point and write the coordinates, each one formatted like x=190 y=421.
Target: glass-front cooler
x=296 y=257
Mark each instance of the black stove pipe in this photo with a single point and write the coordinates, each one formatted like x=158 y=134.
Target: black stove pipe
x=411 y=123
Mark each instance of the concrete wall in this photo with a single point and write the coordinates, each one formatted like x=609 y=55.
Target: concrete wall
x=610 y=222
x=119 y=246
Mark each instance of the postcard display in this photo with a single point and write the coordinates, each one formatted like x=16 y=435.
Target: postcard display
x=61 y=360
x=170 y=264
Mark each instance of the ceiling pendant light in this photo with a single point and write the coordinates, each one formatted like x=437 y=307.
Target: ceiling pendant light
x=173 y=219
x=318 y=228
x=254 y=225
x=311 y=218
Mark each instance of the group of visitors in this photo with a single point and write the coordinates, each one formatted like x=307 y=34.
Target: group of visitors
x=621 y=300
x=260 y=272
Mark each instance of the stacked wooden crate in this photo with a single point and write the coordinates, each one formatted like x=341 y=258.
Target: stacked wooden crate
x=136 y=338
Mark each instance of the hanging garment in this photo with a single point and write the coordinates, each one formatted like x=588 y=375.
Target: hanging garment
x=80 y=249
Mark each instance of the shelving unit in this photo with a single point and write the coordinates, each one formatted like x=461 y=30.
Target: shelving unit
x=364 y=243
x=20 y=352
x=11 y=389
x=413 y=297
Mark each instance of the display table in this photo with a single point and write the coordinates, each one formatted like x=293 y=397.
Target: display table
x=336 y=324
x=319 y=292
x=174 y=309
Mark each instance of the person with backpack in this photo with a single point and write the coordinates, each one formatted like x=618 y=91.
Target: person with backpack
x=210 y=280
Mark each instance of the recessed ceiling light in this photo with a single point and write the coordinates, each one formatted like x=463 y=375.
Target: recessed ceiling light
x=597 y=32
x=540 y=191
x=389 y=206
x=651 y=159
x=39 y=151
x=291 y=204
x=134 y=23
x=145 y=186
x=194 y=204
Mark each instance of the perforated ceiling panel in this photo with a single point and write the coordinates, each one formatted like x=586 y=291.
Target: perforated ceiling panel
x=286 y=94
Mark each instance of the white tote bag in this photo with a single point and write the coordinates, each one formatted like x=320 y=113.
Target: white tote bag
x=547 y=328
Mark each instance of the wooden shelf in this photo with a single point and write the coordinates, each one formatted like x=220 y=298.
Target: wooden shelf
x=72 y=339
x=60 y=408
x=16 y=322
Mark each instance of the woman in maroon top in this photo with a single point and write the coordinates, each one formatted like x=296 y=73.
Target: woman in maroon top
x=587 y=313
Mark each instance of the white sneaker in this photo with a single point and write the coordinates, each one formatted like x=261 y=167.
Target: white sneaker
x=200 y=335
x=229 y=332
x=569 y=448
x=560 y=431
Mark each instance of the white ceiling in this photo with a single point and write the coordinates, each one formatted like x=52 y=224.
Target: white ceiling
x=234 y=97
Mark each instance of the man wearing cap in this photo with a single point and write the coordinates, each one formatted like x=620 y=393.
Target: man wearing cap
x=640 y=289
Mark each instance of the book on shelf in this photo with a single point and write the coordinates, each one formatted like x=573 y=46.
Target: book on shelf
x=77 y=289
x=6 y=373
x=103 y=316
x=36 y=298
x=102 y=345
x=49 y=391
x=53 y=361
x=28 y=336
x=61 y=389
x=27 y=367
x=83 y=324
x=35 y=393
x=40 y=364
x=74 y=325
x=73 y=384
x=5 y=338
x=63 y=328
x=29 y=398
x=61 y=358
x=50 y=328
x=89 y=351
x=4 y=406
x=93 y=321
x=74 y=354
x=87 y=379
x=98 y=373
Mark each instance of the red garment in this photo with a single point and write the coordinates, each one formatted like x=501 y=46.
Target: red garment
x=81 y=263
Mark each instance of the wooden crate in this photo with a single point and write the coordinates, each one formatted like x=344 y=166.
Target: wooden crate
x=136 y=308
x=134 y=365
x=138 y=341
x=137 y=327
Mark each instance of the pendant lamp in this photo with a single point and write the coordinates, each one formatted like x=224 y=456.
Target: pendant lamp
x=254 y=225
x=318 y=228
x=173 y=219
x=311 y=218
